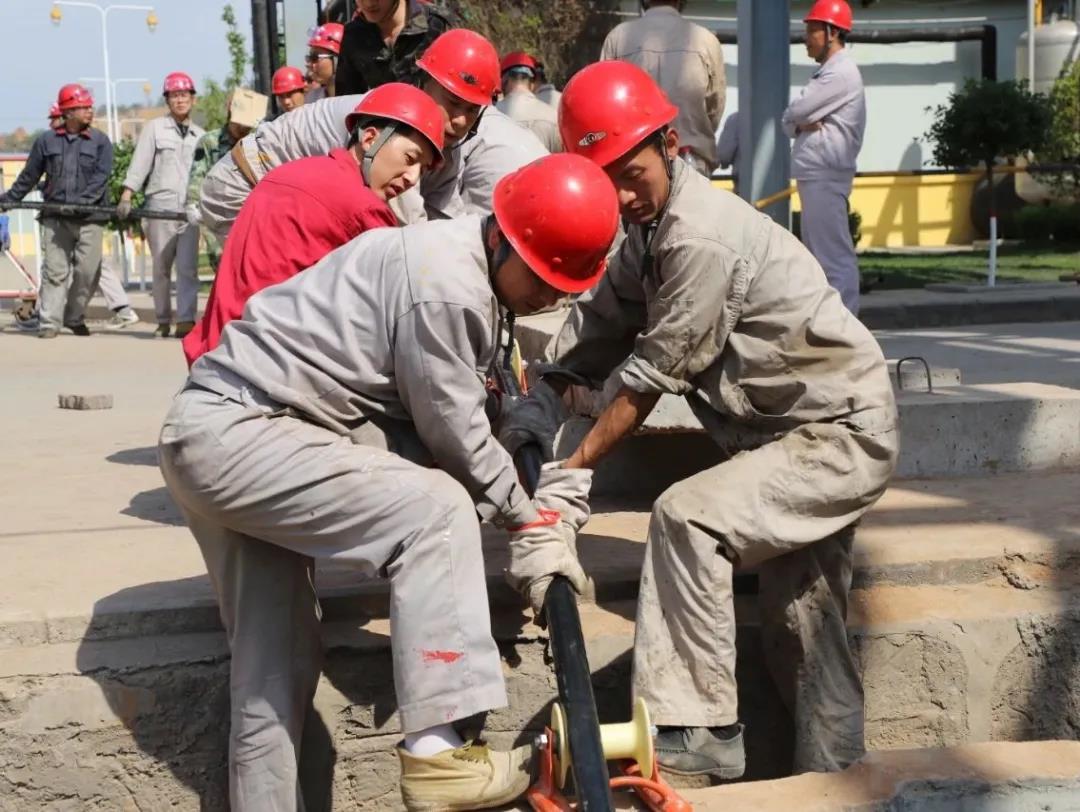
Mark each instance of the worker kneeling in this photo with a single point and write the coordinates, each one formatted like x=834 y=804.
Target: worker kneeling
x=709 y=299
x=395 y=331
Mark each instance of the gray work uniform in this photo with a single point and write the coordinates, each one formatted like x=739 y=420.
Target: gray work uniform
x=396 y=328
x=823 y=165
x=549 y=95
x=538 y=117
x=687 y=62
x=731 y=311
x=162 y=161
x=500 y=146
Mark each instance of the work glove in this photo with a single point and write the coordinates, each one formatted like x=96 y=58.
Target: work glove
x=123 y=209
x=547 y=547
x=535 y=418
x=194 y=215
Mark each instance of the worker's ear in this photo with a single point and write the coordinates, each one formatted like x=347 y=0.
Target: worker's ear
x=671 y=143
x=493 y=236
x=367 y=137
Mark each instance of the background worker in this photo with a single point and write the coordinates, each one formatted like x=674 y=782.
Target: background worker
x=545 y=90
x=686 y=60
x=393 y=332
x=828 y=121
x=385 y=38
x=709 y=299
x=56 y=116
x=304 y=209
x=318 y=128
x=322 y=56
x=76 y=160
x=520 y=103
x=288 y=87
x=161 y=162
x=210 y=149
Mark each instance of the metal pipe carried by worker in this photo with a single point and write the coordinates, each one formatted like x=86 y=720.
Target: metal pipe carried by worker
x=68 y=209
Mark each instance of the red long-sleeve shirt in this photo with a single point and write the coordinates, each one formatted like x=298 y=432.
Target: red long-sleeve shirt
x=298 y=213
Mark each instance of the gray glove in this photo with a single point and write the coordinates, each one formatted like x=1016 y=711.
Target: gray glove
x=123 y=209
x=547 y=547
x=535 y=418
x=194 y=215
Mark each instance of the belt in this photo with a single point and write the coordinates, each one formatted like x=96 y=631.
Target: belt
x=242 y=164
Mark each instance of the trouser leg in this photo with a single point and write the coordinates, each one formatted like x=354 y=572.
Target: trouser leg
x=774 y=500
x=304 y=488
x=803 y=598
x=112 y=289
x=271 y=617
x=86 y=267
x=58 y=241
x=162 y=237
x=826 y=234
x=187 y=273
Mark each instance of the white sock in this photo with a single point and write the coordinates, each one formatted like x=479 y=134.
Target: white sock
x=432 y=740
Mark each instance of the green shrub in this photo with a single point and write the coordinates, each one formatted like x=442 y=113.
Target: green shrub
x=1034 y=223
x=1065 y=222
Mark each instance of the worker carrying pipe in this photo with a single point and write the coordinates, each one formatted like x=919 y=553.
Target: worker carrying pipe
x=828 y=121
x=343 y=417
x=460 y=71
x=711 y=300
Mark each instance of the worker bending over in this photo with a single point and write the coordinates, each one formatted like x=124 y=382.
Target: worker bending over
x=394 y=333
x=304 y=209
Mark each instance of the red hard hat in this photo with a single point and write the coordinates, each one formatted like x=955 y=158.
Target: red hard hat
x=517 y=59
x=833 y=12
x=178 y=81
x=54 y=110
x=560 y=214
x=410 y=105
x=286 y=80
x=72 y=97
x=327 y=36
x=464 y=63
x=610 y=107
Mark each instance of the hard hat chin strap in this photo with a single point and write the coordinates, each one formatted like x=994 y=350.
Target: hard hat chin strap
x=385 y=134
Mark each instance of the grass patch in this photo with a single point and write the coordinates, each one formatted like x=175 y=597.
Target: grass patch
x=1015 y=264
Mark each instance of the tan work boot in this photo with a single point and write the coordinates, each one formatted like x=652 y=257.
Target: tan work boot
x=471 y=777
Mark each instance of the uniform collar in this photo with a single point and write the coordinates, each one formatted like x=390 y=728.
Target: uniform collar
x=172 y=122
x=662 y=10
x=63 y=133
x=348 y=164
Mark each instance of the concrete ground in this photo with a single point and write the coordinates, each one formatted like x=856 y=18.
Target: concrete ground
x=89 y=515
x=89 y=531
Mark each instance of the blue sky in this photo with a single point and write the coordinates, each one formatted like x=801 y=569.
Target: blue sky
x=37 y=57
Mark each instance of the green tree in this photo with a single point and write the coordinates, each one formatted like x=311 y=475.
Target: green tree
x=565 y=35
x=1063 y=145
x=988 y=120
x=212 y=104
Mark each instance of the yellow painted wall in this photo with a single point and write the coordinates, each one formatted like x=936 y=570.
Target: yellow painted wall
x=901 y=210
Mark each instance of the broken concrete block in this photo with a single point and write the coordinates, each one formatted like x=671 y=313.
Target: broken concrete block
x=85 y=402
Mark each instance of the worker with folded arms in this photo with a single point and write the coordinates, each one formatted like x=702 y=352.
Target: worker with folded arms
x=711 y=300
x=396 y=134
x=161 y=162
x=393 y=332
x=828 y=121
x=460 y=71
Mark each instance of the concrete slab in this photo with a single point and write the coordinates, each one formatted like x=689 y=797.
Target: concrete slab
x=998 y=777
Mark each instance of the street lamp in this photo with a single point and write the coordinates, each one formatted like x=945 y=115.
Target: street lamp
x=115 y=95
x=56 y=15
